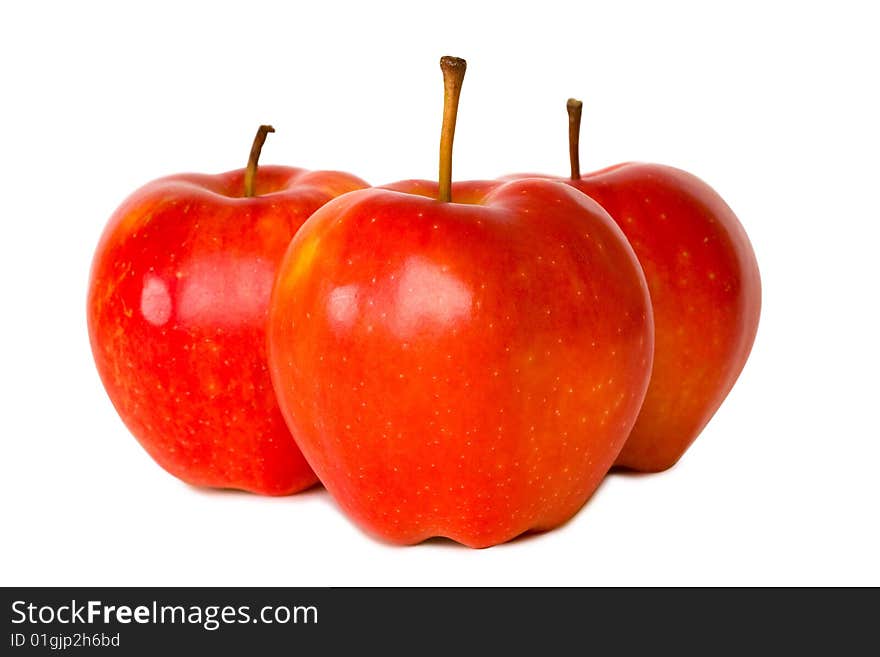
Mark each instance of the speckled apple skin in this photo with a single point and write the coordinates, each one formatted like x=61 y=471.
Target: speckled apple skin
x=177 y=308
x=467 y=369
x=706 y=293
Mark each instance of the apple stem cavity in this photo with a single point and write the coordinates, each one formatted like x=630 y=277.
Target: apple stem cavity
x=574 y=136
x=250 y=173
x=453 y=75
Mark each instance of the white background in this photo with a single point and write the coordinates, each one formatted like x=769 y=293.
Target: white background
x=774 y=104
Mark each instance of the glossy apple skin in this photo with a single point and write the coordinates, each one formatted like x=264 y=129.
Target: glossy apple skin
x=706 y=294
x=177 y=308
x=466 y=369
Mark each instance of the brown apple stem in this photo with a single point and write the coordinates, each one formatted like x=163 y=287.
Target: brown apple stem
x=453 y=75
x=574 y=136
x=250 y=174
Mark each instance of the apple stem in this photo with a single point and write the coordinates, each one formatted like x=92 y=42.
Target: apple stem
x=453 y=75
x=250 y=174
x=574 y=136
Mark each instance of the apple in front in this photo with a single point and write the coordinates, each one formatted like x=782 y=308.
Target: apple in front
x=462 y=361
x=177 y=308
x=467 y=369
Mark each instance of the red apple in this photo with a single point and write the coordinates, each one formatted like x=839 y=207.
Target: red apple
x=461 y=361
x=177 y=306
x=705 y=290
